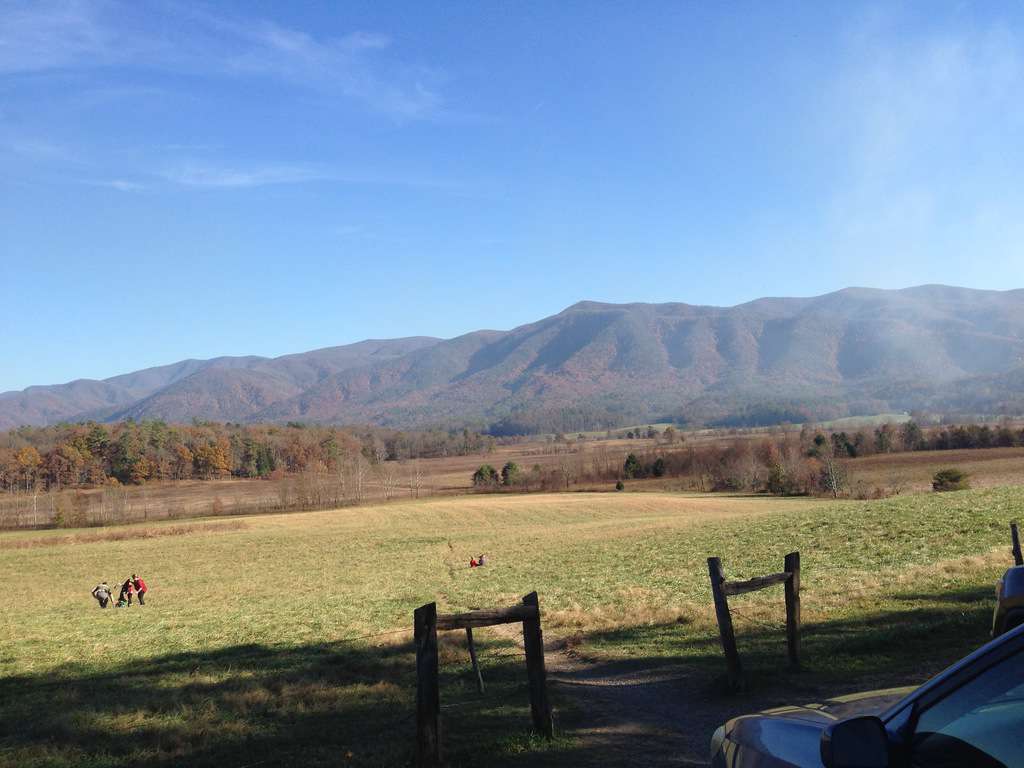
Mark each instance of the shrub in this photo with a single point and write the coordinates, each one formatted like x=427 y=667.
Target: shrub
x=485 y=476
x=619 y=485
x=951 y=480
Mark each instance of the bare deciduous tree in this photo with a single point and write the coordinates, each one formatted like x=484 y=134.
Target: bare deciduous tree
x=388 y=478
x=415 y=478
x=359 y=470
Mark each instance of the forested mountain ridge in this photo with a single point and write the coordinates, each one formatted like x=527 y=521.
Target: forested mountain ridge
x=857 y=350
x=222 y=388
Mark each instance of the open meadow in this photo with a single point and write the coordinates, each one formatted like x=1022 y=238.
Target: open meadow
x=285 y=639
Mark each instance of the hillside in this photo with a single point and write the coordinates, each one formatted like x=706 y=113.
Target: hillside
x=857 y=350
x=223 y=388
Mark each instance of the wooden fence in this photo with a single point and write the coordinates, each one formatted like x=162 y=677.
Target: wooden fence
x=427 y=623
x=721 y=589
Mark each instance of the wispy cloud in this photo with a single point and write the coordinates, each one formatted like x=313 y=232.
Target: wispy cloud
x=223 y=177
x=34 y=148
x=206 y=176
x=361 y=66
x=53 y=35
x=905 y=96
x=99 y=52
x=121 y=185
x=350 y=65
x=920 y=121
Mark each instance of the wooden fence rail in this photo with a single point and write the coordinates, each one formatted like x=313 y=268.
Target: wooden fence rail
x=720 y=591
x=754 y=584
x=487 y=618
x=426 y=624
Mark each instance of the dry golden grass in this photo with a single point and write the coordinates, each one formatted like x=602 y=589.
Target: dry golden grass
x=122 y=533
x=988 y=468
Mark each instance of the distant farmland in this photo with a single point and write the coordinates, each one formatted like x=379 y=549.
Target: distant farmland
x=545 y=464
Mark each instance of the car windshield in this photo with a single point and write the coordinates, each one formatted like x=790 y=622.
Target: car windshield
x=979 y=724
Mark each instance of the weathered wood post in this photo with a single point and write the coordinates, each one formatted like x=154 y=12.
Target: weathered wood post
x=472 y=658
x=428 y=695
x=533 y=643
x=1018 y=558
x=725 y=630
x=792 y=567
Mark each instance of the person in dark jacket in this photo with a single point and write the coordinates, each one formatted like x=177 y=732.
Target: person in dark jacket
x=127 y=590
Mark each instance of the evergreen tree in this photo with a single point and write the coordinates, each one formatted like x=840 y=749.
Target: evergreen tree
x=510 y=474
x=632 y=467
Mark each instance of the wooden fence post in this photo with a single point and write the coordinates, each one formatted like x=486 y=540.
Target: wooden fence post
x=428 y=695
x=472 y=658
x=533 y=642
x=1018 y=558
x=725 y=630
x=792 y=567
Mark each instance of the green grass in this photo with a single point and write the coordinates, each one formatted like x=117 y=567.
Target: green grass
x=599 y=433
x=857 y=422
x=249 y=651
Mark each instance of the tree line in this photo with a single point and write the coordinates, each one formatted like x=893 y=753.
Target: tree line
x=93 y=454
x=811 y=461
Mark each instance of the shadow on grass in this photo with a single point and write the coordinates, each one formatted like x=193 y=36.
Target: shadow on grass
x=253 y=705
x=883 y=648
x=966 y=595
x=676 y=679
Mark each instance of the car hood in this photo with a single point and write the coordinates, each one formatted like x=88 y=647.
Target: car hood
x=791 y=735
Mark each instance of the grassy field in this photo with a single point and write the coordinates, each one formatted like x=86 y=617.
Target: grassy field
x=858 y=422
x=252 y=649
x=913 y=471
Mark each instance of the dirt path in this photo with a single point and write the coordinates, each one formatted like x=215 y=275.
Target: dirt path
x=629 y=713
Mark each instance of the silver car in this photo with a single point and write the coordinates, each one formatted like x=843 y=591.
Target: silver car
x=969 y=716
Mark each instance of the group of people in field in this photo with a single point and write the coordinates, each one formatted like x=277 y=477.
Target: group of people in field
x=131 y=588
x=476 y=562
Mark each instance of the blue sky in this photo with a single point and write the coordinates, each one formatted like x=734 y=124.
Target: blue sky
x=187 y=180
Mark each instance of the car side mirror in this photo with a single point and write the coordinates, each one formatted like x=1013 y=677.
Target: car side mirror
x=860 y=742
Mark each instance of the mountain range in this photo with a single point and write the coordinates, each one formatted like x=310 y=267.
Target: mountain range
x=858 y=350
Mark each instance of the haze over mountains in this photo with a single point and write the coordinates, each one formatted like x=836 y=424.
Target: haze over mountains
x=857 y=350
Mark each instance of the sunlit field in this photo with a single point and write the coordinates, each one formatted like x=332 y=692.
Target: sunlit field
x=253 y=647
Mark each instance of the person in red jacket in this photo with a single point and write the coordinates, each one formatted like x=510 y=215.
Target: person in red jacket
x=140 y=588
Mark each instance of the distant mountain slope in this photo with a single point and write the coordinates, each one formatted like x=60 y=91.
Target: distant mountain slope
x=224 y=388
x=855 y=349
